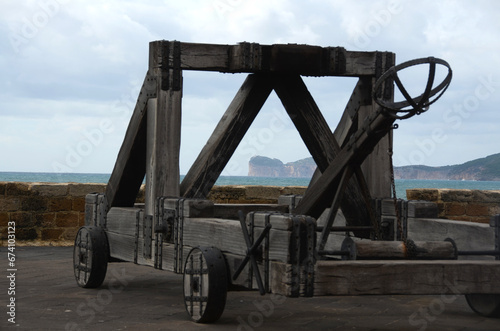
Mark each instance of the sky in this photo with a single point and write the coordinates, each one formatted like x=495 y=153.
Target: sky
x=70 y=72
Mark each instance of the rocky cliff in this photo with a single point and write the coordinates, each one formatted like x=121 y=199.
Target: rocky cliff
x=487 y=169
x=261 y=166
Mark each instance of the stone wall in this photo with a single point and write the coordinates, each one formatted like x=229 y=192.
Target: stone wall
x=51 y=213
x=462 y=205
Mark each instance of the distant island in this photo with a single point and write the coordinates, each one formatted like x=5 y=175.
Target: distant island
x=484 y=169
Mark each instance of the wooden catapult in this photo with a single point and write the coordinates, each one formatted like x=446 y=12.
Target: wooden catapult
x=285 y=248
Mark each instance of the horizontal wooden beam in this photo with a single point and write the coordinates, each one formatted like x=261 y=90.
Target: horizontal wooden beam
x=291 y=58
x=448 y=277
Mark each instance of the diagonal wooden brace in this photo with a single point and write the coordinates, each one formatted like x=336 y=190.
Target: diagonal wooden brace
x=251 y=252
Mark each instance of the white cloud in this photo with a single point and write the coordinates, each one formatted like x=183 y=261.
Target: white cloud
x=79 y=62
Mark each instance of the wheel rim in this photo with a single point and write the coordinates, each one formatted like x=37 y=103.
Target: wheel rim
x=90 y=256
x=205 y=284
x=484 y=304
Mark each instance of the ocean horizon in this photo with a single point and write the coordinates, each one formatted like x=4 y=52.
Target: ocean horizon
x=401 y=184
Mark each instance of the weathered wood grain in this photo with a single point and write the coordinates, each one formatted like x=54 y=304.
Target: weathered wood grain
x=227 y=135
x=130 y=166
x=406 y=277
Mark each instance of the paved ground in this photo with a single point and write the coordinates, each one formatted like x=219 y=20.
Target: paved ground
x=142 y=298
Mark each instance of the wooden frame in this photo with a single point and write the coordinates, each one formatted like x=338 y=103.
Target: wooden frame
x=352 y=161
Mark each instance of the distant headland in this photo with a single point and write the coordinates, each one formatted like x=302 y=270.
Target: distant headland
x=483 y=169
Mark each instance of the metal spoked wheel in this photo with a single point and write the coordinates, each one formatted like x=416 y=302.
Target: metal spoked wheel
x=90 y=256
x=205 y=284
x=484 y=304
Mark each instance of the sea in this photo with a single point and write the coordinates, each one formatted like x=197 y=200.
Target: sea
x=401 y=184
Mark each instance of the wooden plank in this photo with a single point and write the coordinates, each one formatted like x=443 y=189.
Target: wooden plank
x=123 y=220
x=130 y=166
x=164 y=124
x=227 y=236
x=318 y=196
x=376 y=167
x=393 y=277
x=255 y=58
x=320 y=141
x=406 y=277
x=307 y=118
x=227 y=135
x=230 y=211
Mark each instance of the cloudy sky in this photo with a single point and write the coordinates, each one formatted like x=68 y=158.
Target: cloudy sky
x=70 y=71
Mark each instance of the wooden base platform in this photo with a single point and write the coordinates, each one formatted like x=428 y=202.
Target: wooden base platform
x=395 y=277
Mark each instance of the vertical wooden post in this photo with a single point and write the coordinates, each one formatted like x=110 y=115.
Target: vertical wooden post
x=376 y=166
x=164 y=124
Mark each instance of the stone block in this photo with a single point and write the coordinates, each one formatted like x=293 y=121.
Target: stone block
x=477 y=209
x=16 y=189
x=3 y=185
x=69 y=234
x=452 y=195
x=10 y=203
x=67 y=219
x=258 y=192
x=34 y=203
x=52 y=189
x=423 y=194
x=46 y=220
x=492 y=196
x=422 y=209
x=4 y=218
x=51 y=234
x=60 y=204
x=295 y=190
x=454 y=208
x=81 y=190
x=78 y=204
x=22 y=219
x=26 y=234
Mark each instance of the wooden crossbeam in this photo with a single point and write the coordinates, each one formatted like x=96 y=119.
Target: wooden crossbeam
x=354 y=153
x=130 y=167
x=256 y=58
x=447 y=278
x=227 y=135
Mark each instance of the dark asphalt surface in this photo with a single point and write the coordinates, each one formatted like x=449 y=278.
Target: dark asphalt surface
x=142 y=298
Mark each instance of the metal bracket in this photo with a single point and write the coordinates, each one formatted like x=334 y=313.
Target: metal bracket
x=147 y=235
x=178 y=236
x=495 y=222
x=136 y=243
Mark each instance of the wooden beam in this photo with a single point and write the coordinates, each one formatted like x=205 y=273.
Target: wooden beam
x=406 y=277
x=353 y=153
x=307 y=118
x=376 y=167
x=256 y=58
x=164 y=125
x=130 y=166
x=226 y=137
x=321 y=143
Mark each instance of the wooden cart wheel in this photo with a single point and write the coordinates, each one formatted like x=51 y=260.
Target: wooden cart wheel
x=90 y=256
x=205 y=284
x=484 y=304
